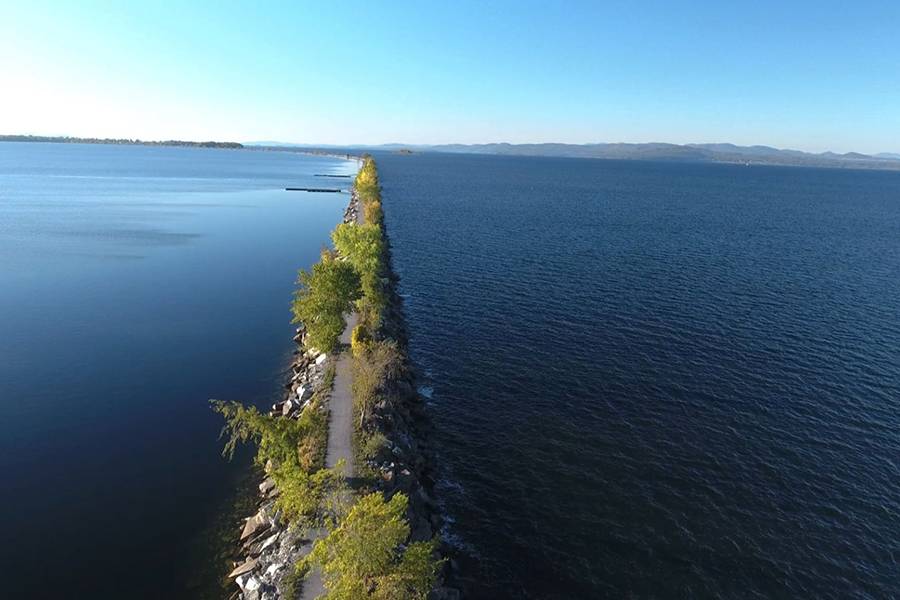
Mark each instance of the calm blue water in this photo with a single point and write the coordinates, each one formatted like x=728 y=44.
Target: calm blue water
x=135 y=284
x=658 y=380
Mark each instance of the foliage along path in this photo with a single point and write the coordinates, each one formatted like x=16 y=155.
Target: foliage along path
x=340 y=408
x=340 y=430
x=340 y=404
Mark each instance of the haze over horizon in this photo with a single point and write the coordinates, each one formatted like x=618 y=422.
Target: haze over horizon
x=397 y=144
x=809 y=76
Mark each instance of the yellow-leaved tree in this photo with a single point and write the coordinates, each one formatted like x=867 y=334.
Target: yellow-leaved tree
x=364 y=556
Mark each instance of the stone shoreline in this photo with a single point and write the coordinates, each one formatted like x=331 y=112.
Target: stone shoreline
x=268 y=547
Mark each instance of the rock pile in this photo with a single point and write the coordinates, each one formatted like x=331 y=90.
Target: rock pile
x=269 y=548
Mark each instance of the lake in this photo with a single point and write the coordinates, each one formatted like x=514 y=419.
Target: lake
x=646 y=379
x=657 y=379
x=135 y=284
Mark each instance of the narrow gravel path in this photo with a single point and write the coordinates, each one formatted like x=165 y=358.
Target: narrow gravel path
x=340 y=407
x=340 y=433
x=340 y=427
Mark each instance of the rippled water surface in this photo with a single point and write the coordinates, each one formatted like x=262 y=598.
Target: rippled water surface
x=135 y=284
x=658 y=380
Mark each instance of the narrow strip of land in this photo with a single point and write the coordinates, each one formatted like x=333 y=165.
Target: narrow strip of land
x=340 y=429
x=340 y=404
x=340 y=434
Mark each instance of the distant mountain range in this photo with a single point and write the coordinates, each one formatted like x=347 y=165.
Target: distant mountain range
x=722 y=153
x=715 y=153
x=718 y=153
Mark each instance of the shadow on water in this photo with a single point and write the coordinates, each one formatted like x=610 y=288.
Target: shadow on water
x=213 y=551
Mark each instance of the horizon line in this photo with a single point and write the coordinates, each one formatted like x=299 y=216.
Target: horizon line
x=437 y=144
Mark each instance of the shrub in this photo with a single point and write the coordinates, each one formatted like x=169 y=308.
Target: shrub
x=364 y=556
x=373 y=445
x=292 y=582
x=302 y=496
x=372 y=368
x=372 y=212
x=359 y=339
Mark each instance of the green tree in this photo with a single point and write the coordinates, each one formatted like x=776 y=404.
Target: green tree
x=281 y=447
x=325 y=295
x=364 y=557
x=369 y=191
x=362 y=245
x=276 y=439
x=366 y=182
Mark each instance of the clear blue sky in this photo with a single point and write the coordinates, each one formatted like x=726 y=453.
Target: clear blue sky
x=790 y=73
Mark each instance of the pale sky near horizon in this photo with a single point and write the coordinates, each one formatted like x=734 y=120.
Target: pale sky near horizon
x=809 y=75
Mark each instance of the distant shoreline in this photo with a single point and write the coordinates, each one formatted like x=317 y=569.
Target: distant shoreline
x=682 y=153
x=117 y=141
x=722 y=154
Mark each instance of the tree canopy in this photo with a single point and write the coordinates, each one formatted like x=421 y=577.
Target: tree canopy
x=364 y=556
x=326 y=293
x=362 y=245
x=283 y=445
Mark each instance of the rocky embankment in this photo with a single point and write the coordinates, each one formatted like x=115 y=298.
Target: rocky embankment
x=269 y=548
x=407 y=461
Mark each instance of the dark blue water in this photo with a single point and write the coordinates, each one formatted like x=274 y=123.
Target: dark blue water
x=135 y=284
x=658 y=380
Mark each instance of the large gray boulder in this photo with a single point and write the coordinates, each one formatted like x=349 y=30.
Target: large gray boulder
x=244 y=568
x=288 y=408
x=255 y=524
x=304 y=393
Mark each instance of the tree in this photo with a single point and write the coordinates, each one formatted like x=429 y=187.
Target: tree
x=369 y=191
x=364 y=557
x=366 y=182
x=325 y=294
x=303 y=489
x=362 y=245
